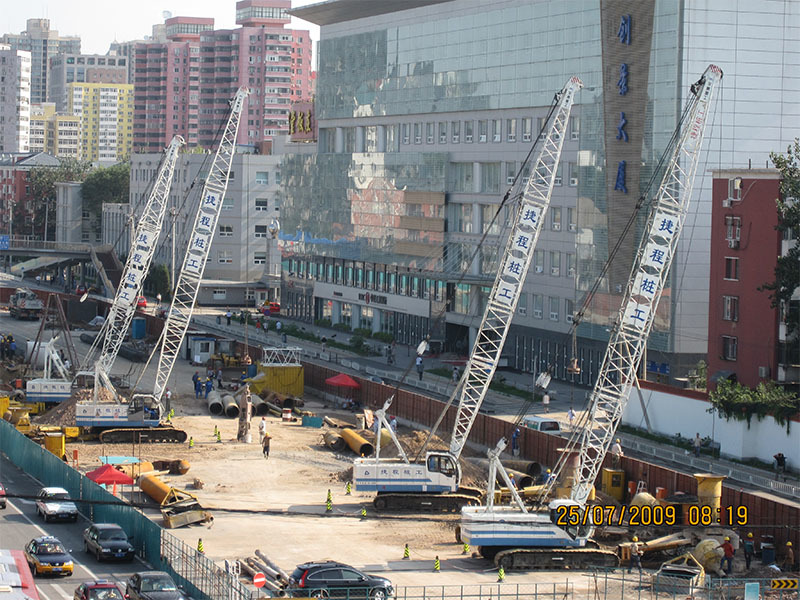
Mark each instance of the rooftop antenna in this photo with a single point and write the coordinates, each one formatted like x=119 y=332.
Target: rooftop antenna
x=166 y=14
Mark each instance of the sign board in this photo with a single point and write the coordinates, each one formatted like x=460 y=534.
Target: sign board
x=259 y=579
x=752 y=591
x=4 y=242
x=784 y=584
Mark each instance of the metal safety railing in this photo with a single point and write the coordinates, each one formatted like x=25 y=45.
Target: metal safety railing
x=495 y=591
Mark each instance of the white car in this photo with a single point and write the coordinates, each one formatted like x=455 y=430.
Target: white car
x=55 y=503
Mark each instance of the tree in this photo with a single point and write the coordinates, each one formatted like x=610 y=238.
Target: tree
x=42 y=181
x=735 y=401
x=109 y=184
x=157 y=281
x=787 y=270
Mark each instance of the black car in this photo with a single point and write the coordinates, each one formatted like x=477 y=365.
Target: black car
x=107 y=541
x=336 y=580
x=153 y=585
x=2 y=496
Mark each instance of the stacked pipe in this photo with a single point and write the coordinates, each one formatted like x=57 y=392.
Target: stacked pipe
x=334 y=441
x=260 y=408
x=215 y=403
x=231 y=406
x=357 y=443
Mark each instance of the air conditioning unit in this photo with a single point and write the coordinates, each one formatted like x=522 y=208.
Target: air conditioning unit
x=455 y=139
x=537 y=314
x=573 y=181
x=482 y=138
x=554 y=271
x=496 y=138
x=553 y=316
x=557 y=181
x=574 y=135
x=510 y=179
x=727 y=203
x=468 y=138
x=733 y=243
x=512 y=138
x=538 y=269
x=573 y=227
x=763 y=372
x=525 y=180
x=556 y=226
x=526 y=137
x=443 y=139
x=569 y=318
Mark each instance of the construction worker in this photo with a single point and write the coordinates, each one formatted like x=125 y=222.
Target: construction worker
x=727 y=556
x=550 y=477
x=749 y=549
x=616 y=453
x=636 y=555
x=209 y=385
x=262 y=430
x=788 y=558
x=265 y=444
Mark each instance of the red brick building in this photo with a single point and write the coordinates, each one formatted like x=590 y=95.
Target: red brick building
x=743 y=329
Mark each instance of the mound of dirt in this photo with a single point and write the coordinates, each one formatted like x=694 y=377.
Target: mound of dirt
x=60 y=414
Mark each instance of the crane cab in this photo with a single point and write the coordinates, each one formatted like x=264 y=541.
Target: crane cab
x=570 y=516
x=439 y=473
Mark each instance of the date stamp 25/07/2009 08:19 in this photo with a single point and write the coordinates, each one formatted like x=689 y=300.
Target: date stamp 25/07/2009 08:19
x=657 y=516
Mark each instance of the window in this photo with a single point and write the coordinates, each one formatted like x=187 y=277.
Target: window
x=455 y=130
x=555 y=218
x=569 y=310
x=262 y=204
x=570 y=264
x=538 y=261
x=226 y=231
x=511 y=130
x=497 y=124
x=259 y=258
x=540 y=124
x=555 y=263
x=406 y=130
x=443 y=132
x=511 y=172
x=522 y=306
x=574 y=128
x=460 y=218
x=219 y=293
x=554 y=302
x=735 y=188
x=538 y=302
x=417 y=133
x=572 y=223
x=730 y=308
x=557 y=180
x=429 y=132
x=573 y=174
x=262 y=177
x=731 y=268
x=224 y=257
x=733 y=230
x=468 y=130
x=489 y=211
x=483 y=130
x=730 y=347
x=261 y=231
x=526 y=129
x=461 y=177
x=490 y=177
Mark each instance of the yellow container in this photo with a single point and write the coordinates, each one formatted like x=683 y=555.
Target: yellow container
x=56 y=443
x=282 y=380
x=613 y=483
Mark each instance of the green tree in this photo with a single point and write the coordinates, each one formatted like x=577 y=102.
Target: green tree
x=787 y=270
x=157 y=281
x=42 y=181
x=735 y=401
x=106 y=184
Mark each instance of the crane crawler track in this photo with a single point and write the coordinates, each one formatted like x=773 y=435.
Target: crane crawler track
x=548 y=558
x=425 y=502
x=163 y=435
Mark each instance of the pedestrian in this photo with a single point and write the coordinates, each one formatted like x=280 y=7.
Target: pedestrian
x=196 y=377
x=168 y=398
x=515 y=442
x=258 y=324
x=219 y=378
x=393 y=423
x=198 y=388
x=228 y=315
x=780 y=465
x=749 y=549
x=324 y=341
x=616 y=453
x=571 y=417
x=788 y=558
x=727 y=556
x=262 y=430
x=636 y=555
x=265 y=444
x=697 y=443
x=278 y=326
x=209 y=386
x=241 y=318
x=158 y=300
x=420 y=367
x=546 y=402
x=455 y=374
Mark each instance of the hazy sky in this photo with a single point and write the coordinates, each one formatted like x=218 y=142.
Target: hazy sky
x=99 y=23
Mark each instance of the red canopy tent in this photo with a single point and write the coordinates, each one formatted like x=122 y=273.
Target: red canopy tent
x=347 y=382
x=107 y=474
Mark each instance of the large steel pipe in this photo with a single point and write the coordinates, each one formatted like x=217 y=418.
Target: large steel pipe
x=260 y=408
x=214 y=403
x=522 y=480
x=154 y=487
x=530 y=467
x=231 y=406
x=334 y=441
x=357 y=443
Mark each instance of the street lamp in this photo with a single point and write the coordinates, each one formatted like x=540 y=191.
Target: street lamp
x=272 y=229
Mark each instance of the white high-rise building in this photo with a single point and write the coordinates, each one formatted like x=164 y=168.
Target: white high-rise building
x=15 y=99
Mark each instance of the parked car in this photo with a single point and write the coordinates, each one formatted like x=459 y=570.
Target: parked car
x=153 y=585
x=55 y=503
x=47 y=555
x=3 y=499
x=141 y=302
x=101 y=589
x=331 y=579
x=543 y=424
x=107 y=541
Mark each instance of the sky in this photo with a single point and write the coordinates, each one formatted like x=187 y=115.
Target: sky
x=98 y=23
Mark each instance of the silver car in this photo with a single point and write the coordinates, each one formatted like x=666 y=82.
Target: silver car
x=54 y=503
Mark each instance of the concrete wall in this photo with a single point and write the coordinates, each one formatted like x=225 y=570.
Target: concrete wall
x=687 y=413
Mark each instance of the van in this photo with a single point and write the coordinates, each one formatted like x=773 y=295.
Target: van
x=543 y=424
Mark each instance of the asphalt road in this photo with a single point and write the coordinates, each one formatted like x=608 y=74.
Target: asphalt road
x=19 y=524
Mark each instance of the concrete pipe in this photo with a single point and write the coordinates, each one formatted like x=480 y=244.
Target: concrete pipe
x=135 y=469
x=334 y=441
x=154 y=487
x=231 y=407
x=522 y=480
x=175 y=467
x=260 y=408
x=530 y=467
x=357 y=443
x=215 y=403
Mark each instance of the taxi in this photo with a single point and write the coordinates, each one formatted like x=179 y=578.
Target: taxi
x=47 y=556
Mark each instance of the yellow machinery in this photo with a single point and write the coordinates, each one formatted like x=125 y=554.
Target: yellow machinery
x=56 y=443
x=178 y=507
x=613 y=483
x=283 y=379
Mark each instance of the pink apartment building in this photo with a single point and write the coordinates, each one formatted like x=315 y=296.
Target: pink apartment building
x=184 y=86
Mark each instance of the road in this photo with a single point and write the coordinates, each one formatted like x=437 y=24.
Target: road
x=19 y=524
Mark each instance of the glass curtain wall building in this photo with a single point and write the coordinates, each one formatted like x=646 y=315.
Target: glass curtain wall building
x=426 y=113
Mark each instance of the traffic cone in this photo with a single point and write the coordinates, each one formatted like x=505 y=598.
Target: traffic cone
x=501 y=574
x=219 y=437
x=406 y=553
x=328 y=503
x=347 y=489
x=191 y=442
x=363 y=512
x=437 y=567
x=200 y=546
x=465 y=550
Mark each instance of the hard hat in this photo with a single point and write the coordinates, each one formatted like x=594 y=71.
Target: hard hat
x=548 y=470
x=635 y=539
x=618 y=441
x=749 y=535
x=789 y=544
x=727 y=539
